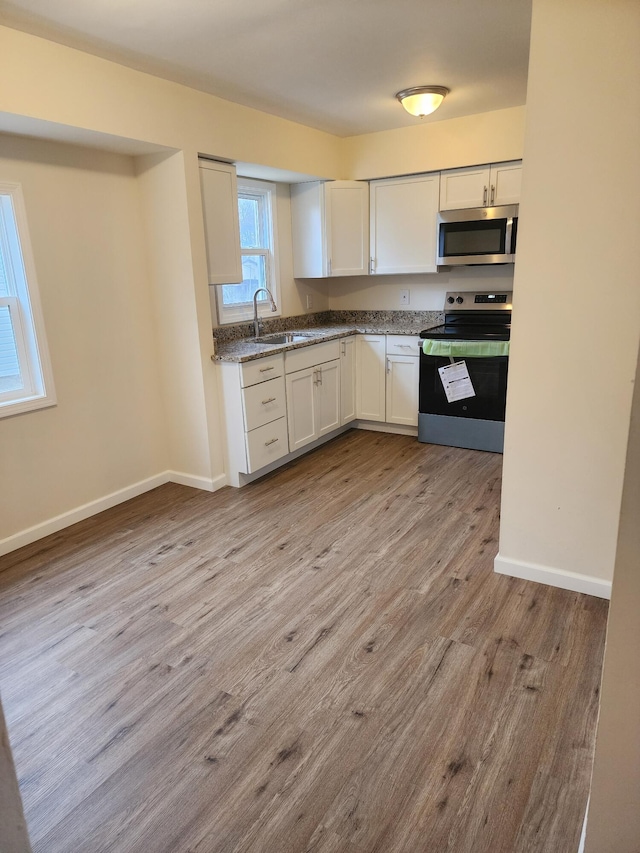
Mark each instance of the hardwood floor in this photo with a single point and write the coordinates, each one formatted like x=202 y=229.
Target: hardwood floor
x=322 y=661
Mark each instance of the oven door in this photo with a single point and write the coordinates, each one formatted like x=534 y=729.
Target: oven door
x=489 y=379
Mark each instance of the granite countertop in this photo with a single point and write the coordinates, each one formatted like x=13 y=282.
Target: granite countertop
x=384 y=323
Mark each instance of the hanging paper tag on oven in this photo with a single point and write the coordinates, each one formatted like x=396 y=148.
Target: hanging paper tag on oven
x=456 y=381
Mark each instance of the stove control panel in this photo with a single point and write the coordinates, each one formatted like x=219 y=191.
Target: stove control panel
x=489 y=298
x=471 y=300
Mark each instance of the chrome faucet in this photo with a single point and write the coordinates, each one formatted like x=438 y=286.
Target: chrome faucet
x=257 y=321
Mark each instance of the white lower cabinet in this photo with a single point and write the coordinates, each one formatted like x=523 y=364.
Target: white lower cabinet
x=255 y=414
x=370 y=377
x=280 y=403
x=313 y=403
x=348 y=379
x=387 y=378
x=402 y=389
x=403 y=367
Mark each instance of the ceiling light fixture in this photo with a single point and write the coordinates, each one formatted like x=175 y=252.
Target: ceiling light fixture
x=422 y=100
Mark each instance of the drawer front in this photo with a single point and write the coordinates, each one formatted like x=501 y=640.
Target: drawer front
x=261 y=369
x=305 y=357
x=266 y=444
x=403 y=345
x=264 y=403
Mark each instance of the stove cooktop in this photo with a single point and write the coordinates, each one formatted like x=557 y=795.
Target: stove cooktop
x=471 y=332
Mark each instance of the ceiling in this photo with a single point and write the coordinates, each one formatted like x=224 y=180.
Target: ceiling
x=331 y=64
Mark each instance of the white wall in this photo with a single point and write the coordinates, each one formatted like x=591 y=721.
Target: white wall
x=576 y=321
x=107 y=430
x=613 y=824
x=174 y=241
x=69 y=88
x=434 y=145
x=426 y=292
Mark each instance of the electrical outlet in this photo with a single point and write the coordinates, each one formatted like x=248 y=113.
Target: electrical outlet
x=404 y=297
x=309 y=302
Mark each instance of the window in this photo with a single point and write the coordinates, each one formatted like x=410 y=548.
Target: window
x=25 y=373
x=256 y=211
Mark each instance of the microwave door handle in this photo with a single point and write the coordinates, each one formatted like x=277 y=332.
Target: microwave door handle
x=508 y=248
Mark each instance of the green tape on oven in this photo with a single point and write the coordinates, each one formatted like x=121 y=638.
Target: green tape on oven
x=465 y=349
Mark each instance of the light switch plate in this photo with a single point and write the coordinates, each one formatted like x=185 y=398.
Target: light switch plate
x=309 y=301
x=404 y=297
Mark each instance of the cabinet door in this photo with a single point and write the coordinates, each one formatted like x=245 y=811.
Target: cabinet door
x=327 y=390
x=402 y=389
x=460 y=188
x=221 y=225
x=370 y=381
x=347 y=227
x=308 y=230
x=301 y=407
x=505 y=183
x=348 y=379
x=403 y=224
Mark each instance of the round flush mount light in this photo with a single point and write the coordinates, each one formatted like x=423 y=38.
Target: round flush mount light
x=422 y=100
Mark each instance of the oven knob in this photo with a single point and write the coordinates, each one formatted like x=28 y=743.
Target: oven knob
x=459 y=300
x=450 y=300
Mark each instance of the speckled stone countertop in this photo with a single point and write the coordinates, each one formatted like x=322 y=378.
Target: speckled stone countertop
x=236 y=344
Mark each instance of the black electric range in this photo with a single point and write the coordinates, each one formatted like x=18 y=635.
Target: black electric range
x=476 y=420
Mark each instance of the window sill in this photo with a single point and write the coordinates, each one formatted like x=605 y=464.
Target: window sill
x=29 y=404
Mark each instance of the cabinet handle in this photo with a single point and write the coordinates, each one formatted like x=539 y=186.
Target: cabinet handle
x=372 y=266
x=484 y=197
x=264 y=369
x=404 y=346
x=493 y=193
x=329 y=266
x=269 y=400
x=273 y=441
x=388 y=366
x=319 y=376
x=344 y=347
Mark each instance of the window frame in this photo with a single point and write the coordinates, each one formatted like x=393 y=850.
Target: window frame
x=25 y=308
x=242 y=312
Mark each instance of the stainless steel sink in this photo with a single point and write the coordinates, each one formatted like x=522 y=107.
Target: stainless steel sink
x=282 y=338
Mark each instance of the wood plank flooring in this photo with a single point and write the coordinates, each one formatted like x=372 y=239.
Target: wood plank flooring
x=321 y=662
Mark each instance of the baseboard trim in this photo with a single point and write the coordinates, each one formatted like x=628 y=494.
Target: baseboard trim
x=80 y=513
x=552 y=577
x=395 y=429
x=204 y=483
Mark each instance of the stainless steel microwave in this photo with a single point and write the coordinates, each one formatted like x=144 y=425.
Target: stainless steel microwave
x=485 y=235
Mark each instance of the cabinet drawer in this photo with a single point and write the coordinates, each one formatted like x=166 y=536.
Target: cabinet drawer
x=264 y=403
x=266 y=444
x=403 y=345
x=301 y=359
x=261 y=369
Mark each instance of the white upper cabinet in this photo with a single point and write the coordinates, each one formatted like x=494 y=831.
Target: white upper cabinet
x=481 y=186
x=403 y=224
x=221 y=225
x=506 y=180
x=330 y=228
